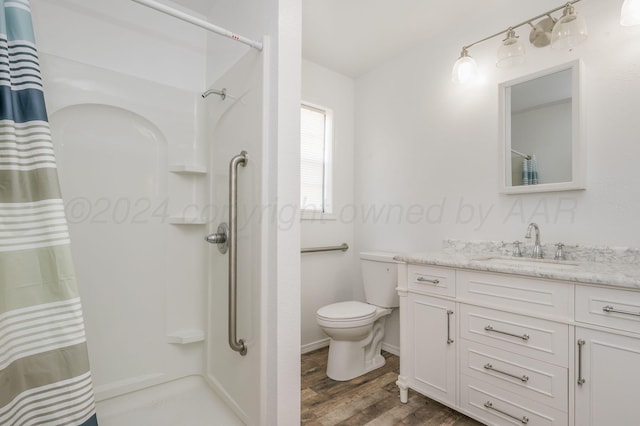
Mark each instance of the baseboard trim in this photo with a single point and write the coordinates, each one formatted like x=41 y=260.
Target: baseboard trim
x=309 y=347
x=391 y=349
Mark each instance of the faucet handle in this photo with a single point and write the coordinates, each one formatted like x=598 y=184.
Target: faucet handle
x=559 y=252
x=517 y=250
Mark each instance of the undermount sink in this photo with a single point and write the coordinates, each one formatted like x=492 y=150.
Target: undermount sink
x=527 y=262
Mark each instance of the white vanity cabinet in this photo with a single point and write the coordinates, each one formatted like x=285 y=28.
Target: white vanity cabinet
x=607 y=357
x=514 y=351
x=432 y=363
x=504 y=349
x=429 y=327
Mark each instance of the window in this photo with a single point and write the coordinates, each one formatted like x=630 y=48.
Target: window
x=315 y=159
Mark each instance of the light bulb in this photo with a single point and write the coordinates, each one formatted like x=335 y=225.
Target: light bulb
x=630 y=14
x=465 y=69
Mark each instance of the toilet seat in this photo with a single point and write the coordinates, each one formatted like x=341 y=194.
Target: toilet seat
x=346 y=314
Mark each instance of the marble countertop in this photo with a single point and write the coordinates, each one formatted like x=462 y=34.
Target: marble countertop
x=617 y=266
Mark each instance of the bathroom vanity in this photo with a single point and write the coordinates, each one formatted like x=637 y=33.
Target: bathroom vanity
x=517 y=341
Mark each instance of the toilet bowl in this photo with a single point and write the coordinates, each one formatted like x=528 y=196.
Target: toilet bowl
x=356 y=329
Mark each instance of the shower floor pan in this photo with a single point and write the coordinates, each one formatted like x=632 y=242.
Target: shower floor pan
x=183 y=402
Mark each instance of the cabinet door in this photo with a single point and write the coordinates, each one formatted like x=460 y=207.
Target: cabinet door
x=434 y=357
x=610 y=374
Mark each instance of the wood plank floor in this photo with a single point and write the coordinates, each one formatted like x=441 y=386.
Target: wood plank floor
x=372 y=399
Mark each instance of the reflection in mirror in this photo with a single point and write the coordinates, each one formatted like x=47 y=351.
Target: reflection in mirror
x=541 y=130
x=541 y=116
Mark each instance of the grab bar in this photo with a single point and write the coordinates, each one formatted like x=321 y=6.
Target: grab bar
x=341 y=247
x=238 y=160
x=226 y=238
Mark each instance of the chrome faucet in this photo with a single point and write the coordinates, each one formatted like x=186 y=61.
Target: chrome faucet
x=537 y=248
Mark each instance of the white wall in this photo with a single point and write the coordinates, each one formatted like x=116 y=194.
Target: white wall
x=427 y=153
x=123 y=36
x=332 y=276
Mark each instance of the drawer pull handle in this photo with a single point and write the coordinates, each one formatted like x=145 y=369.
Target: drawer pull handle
x=449 y=339
x=522 y=378
x=426 y=280
x=524 y=419
x=610 y=308
x=581 y=379
x=523 y=337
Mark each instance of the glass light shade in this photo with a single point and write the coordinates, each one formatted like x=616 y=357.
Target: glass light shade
x=569 y=31
x=511 y=51
x=465 y=69
x=630 y=14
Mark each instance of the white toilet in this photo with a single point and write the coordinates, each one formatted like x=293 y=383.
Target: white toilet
x=356 y=329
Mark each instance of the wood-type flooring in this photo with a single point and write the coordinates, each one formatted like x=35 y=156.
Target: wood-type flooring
x=371 y=399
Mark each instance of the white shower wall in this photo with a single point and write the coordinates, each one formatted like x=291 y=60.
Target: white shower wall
x=109 y=72
x=142 y=279
x=235 y=125
x=125 y=37
x=157 y=67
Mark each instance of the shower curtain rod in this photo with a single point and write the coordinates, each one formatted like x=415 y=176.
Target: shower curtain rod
x=199 y=22
x=525 y=156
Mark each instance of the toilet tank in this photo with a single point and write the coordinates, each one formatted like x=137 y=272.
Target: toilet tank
x=380 y=278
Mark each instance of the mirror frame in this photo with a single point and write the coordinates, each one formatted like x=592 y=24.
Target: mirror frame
x=578 y=142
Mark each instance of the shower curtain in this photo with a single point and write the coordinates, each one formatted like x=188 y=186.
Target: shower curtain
x=44 y=369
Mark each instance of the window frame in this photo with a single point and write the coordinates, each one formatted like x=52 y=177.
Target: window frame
x=327 y=212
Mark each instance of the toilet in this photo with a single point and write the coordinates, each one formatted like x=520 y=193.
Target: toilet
x=355 y=328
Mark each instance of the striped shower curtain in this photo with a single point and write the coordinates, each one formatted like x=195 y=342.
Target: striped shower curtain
x=44 y=369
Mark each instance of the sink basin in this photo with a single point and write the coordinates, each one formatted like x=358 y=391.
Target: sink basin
x=527 y=262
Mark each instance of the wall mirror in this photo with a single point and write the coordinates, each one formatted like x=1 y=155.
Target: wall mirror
x=542 y=142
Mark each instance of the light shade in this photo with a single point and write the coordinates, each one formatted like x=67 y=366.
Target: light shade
x=511 y=51
x=465 y=69
x=630 y=14
x=569 y=31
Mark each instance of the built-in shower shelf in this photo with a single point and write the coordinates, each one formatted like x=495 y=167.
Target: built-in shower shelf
x=186 y=220
x=193 y=169
x=184 y=337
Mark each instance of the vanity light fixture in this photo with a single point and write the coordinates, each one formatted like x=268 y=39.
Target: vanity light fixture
x=511 y=51
x=465 y=68
x=630 y=14
x=568 y=31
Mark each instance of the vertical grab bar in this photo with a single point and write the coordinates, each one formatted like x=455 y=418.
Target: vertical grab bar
x=226 y=239
x=238 y=160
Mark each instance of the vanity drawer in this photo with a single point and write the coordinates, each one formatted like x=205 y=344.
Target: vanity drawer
x=497 y=406
x=432 y=280
x=527 y=336
x=529 y=378
x=608 y=307
x=527 y=295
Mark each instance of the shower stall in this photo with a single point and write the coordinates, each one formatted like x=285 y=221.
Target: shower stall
x=144 y=167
